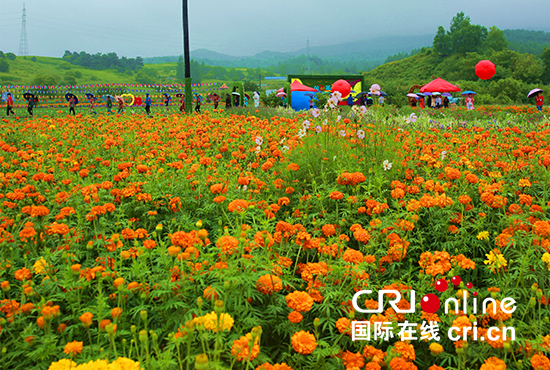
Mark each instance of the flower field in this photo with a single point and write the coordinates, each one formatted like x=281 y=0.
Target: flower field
x=239 y=241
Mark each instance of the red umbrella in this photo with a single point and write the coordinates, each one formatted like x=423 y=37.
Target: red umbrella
x=439 y=85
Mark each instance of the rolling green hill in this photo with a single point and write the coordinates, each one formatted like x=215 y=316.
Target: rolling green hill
x=56 y=71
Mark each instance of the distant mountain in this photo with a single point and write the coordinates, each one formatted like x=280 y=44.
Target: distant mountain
x=376 y=49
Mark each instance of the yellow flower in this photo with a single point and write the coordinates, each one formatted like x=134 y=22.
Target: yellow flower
x=436 y=348
x=546 y=258
x=40 y=266
x=483 y=235
x=210 y=321
x=495 y=261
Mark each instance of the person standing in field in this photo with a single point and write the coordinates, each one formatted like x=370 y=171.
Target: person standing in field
x=9 y=105
x=120 y=106
x=148 y=104
x=421 y=103
x=469 y=102
x=109 y=105
x=227 y=101
x=197 y=103
x=72 y=105
x=167 y=102
x=256 y=99
x=182 y=103
x=30 y=105
x=216 y=100
x=92 y=105
x=539 y=100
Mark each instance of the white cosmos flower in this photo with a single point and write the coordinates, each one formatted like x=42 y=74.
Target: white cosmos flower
x=318 y=129
x=325 y=122
x=387 y=165
x=338 y=118
x=361 y=134
x=306 y=124
x=315 y=112
x=363 y=109
x=443 y=154
x=258 y=149
x=334 y=158
x=342 y=133
x=285 y=149
x=413 y=117
x=259 y=140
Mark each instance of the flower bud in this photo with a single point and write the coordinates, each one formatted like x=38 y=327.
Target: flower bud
x=218 y=306
x=198 y=224
x=532 y=302
x=143 y=315
x=227 y=285
x=143 y=335
x=200 y=302
x=133 y=329
x=316 y=322
x=159 y=227
x=539 y=293
x=201 y=362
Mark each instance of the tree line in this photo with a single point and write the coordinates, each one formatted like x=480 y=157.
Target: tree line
x=101 y=61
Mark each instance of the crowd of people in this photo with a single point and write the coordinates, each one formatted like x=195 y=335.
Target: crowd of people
x=234 y=100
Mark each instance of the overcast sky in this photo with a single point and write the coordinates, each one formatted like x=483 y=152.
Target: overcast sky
x=241 y=27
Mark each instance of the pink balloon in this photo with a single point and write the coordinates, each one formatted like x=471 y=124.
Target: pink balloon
x=343 y=87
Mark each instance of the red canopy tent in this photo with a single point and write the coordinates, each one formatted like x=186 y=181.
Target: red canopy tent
x=439 y=85
x=224 y=87
x=296 y=86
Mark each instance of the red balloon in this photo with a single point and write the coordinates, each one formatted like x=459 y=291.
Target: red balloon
x=343 y=86
x=485 y=69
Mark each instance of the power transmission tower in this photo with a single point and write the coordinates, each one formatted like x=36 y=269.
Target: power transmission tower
x=23 y=46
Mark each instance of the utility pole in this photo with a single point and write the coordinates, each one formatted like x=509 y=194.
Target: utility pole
x=259 y=82
x=187 y=61
x=308 y=66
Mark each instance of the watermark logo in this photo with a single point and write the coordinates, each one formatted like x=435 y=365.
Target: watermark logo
x=430 y=303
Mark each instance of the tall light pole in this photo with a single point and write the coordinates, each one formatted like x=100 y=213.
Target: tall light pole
x=187 y=61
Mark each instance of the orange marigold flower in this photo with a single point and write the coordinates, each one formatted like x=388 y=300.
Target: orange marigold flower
x=353 y=256
x=267 y=284
x=228 y=244
x=353 y=360
x=73 y=348
x=237 y=205
x=405 y=350
x=293 y=167
x=539 y=361
x=343 y=324
x=210 y=293
x=86 y=319
x=295 y=317
x=241 y=348
x=115 y=312
x=303 y=342
x=493 y=363
x=328 y=230
x=541 y=228
x=373 y=354
x=219 y=199
x=336 y=195
x=299 y=301
x=23 y=274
